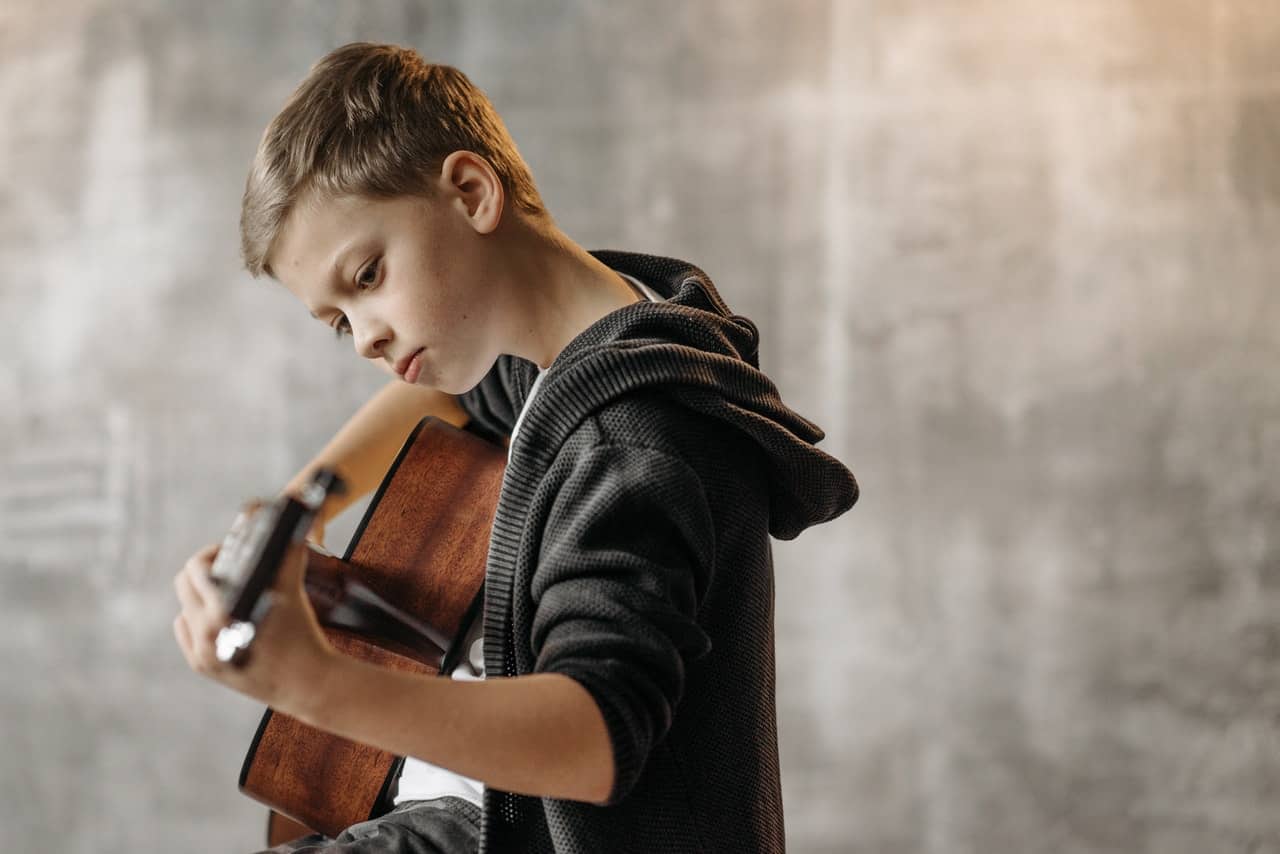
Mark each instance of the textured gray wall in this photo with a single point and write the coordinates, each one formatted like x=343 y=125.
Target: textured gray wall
x=1017 y=258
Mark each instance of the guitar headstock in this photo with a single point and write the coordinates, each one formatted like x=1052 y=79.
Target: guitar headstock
x=250 y=555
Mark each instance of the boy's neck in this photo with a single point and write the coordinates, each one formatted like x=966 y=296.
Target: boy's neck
x=551 y=290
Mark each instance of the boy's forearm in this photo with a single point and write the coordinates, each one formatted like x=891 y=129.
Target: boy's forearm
x=364 y=447
x=540 y=735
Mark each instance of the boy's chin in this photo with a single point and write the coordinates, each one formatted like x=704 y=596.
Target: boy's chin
x=461 y=382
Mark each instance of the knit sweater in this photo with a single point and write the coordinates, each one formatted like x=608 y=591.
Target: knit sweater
x=630 y=551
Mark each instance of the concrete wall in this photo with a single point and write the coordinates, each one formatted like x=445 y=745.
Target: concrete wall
x=1017 y=258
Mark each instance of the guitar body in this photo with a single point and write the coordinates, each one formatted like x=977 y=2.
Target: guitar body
x=421 y=546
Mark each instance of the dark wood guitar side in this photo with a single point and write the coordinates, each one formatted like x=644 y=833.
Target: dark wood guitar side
x=421 y=546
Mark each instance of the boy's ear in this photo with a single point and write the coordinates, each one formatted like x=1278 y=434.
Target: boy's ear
x=469 y=181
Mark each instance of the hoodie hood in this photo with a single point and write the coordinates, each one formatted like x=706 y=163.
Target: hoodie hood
x=706 y=358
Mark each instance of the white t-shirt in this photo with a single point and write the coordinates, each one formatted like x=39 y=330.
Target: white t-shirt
x=419 y=780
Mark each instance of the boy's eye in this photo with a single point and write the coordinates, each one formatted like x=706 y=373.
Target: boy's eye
x=368 y=275
x=364 y=280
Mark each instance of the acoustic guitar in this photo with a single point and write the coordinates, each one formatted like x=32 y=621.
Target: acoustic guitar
x=403 y=596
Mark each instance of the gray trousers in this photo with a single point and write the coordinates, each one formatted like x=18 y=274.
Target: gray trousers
x=439 y=826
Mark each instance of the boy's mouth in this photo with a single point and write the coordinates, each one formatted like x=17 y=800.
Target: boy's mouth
x=404 y=365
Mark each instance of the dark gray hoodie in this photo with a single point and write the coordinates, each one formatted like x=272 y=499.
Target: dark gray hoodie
x=631 y=552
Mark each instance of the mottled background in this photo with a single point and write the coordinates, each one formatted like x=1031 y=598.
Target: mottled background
x=1018 y=259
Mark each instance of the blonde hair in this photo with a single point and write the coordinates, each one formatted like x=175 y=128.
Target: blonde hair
x=373 y=120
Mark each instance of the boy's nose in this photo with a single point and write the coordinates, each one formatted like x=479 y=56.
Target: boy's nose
x=372 y=344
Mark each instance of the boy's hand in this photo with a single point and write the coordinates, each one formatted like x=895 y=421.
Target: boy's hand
x=289 y=655
x=316 y=534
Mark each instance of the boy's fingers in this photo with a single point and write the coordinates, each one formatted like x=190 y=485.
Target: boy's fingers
x=194 y=585
x=188 y=596
x=198 y=572
x=316 y=533
x=197 y=654
x=183 y=635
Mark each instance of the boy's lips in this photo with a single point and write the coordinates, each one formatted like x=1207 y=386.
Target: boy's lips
x=403 y=364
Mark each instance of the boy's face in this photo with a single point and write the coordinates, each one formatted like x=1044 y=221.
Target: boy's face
x=402 y=276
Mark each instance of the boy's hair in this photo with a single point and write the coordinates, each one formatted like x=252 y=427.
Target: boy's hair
x=373 y=120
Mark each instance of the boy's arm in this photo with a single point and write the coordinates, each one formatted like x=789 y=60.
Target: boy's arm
x=364 y=447
x=627 y=554
x=541 y=735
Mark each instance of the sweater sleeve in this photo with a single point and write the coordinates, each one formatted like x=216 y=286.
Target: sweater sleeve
x=627 y=551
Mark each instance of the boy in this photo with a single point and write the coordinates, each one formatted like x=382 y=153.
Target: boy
x=621 y=692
